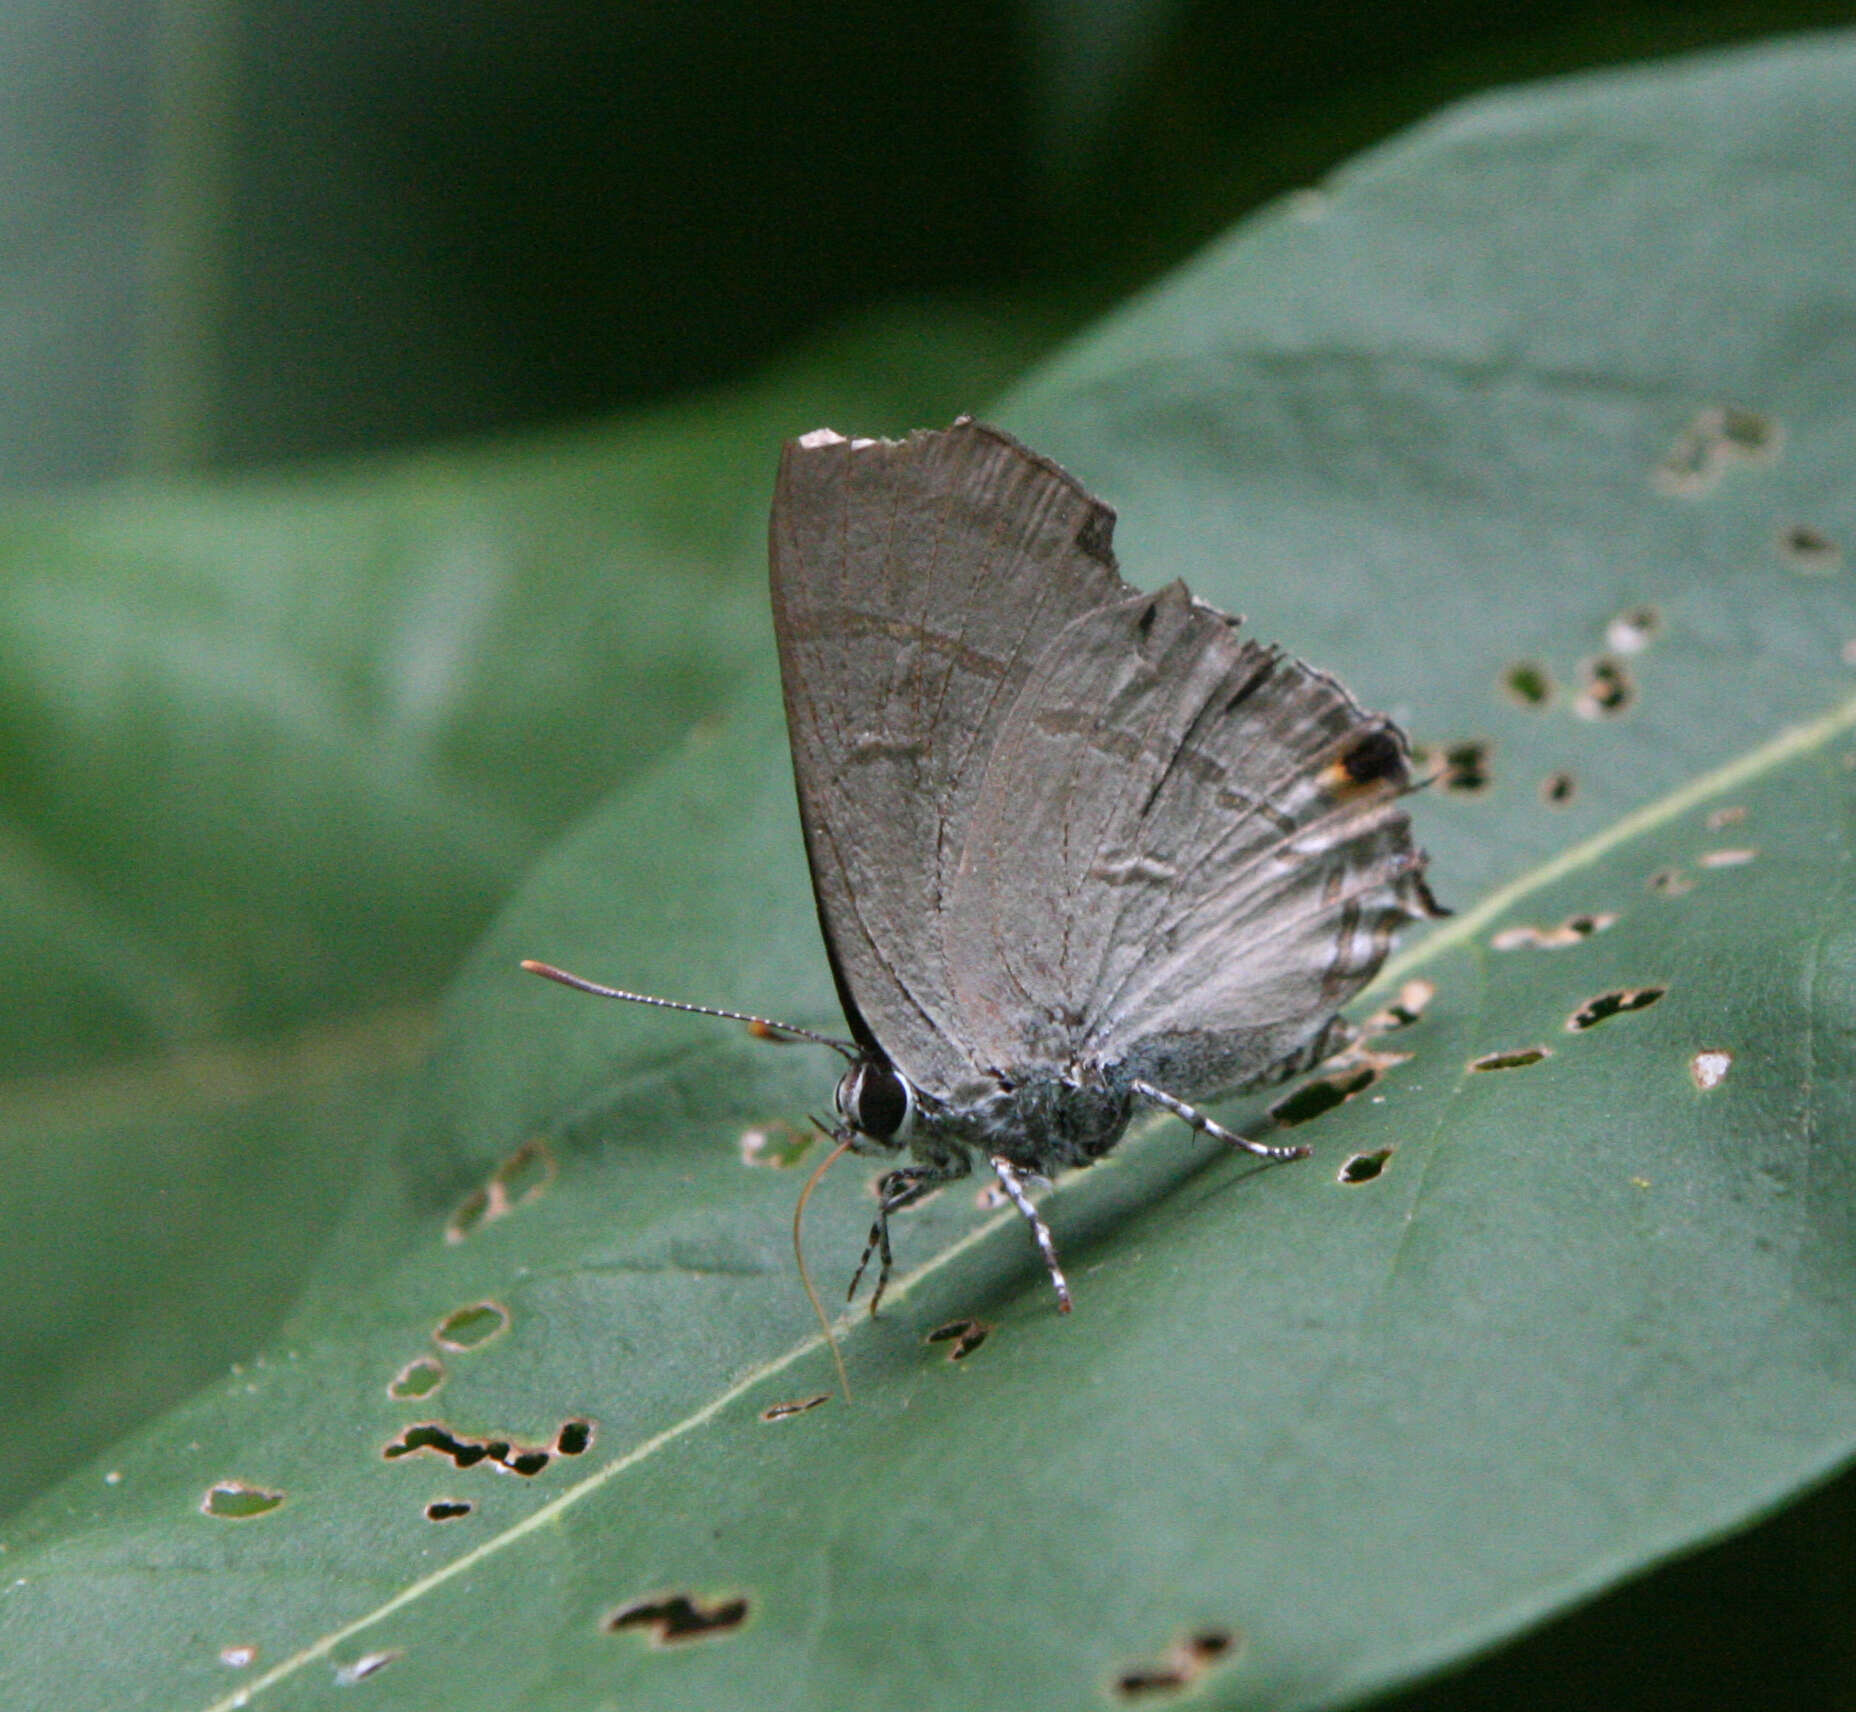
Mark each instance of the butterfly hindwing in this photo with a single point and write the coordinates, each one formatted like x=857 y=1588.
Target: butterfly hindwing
x=1187 y=852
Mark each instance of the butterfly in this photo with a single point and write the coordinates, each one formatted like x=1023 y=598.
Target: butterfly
x=1077 y=850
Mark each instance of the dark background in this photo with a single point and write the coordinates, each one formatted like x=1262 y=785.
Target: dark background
x=239 y=235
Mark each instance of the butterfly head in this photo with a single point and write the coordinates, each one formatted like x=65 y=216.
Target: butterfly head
x=878 y=1101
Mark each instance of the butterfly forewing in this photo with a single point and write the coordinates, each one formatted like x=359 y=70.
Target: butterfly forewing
x=915 y=585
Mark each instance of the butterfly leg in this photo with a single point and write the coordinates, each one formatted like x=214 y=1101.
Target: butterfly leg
x=895 y=1191
x=1014 y=1186
x=1205 y=1126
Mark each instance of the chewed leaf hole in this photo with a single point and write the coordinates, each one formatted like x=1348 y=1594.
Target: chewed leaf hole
x=236 y=1501
x=519 y=1179
x=574 y=1438
x=1736 y=858
x=1558 y=789
x=1322 y=1095
x=675 y=1618
x=447 y=1509
x=1186 y=1661
x=1414 y=998
x=1607 y=1005
x=965 y=1335
x=1809 y=550
x=1574 y=930
x=466 y=1328
x=1708 y=1070
x=778 y=1144
x=471 y=1212
x=1466 y=768
x=1605 y=689
x=1364 y=1167
x=420 y=1377
x=368 y=1664
x=1632 y=630
x=1528 y=683
x=1714 y=441
x=1729 y=814
x=466 y=1452
x=786 y=1411
x=1517 y=1059
x=239 y=1655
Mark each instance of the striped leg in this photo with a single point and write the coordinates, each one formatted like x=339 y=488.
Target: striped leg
x=1014 y=1186
x=1217 y=1131
x=897 y=1189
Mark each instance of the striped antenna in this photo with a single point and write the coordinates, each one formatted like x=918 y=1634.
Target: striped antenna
x=764 y=1026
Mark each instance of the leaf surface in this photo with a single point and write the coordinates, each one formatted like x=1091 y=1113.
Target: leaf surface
x=1313 y=1430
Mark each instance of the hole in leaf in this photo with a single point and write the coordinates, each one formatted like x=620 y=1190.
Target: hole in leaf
x=1714 y=441
x=1465 y=767
x=466 y=1452
x=1731 y=815
x=1633 y=629
x=471 y=1212
x=239 y=1655
x=1606 y=689
x=1518 y=1059
x=1527 y=683
x=1574 y=930
x=965 y=1335
x=1322 y=1095
x=526 y=1172
x=778 y=1144
x=368 y=1664
x=785 y=1411
x=1670 y=883
x=1727 y=858
x=1607 y=1005
x=519 y=1179
x=466 y=1328
x=1708 y=1070
x=1413 y=999
x=1809 y=550
x=1185 y=1662
x=235 y=1501
x=420 y=1377
x=1558 y=789
x=447 y=1509
x=1364 y=1167
x=573 y=1438
x=674 y=1618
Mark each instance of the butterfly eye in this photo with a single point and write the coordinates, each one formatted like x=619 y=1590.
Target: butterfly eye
x=877 y=1101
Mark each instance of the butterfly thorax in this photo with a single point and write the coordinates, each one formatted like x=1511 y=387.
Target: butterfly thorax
x=1041 y=1124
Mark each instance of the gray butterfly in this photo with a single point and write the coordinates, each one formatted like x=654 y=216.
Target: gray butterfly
x=1076 y=849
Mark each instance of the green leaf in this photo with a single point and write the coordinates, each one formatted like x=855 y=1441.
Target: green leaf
x=1513 y=1333
x=274 y=750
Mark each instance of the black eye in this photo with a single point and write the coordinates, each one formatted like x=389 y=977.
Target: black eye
x=875 y=1100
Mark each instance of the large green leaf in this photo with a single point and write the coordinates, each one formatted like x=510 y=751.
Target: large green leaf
x=273 y=751
x=1339 y=1426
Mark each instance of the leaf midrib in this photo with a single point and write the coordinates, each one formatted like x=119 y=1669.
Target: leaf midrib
x=1788 y=745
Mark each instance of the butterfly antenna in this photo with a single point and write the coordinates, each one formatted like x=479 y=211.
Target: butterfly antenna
x=799 y=1254
x=766 y=1027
